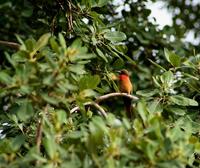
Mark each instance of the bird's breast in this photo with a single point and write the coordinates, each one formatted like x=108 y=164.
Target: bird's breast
x=125 y=85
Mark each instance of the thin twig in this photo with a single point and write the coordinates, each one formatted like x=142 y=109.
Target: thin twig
x=102 y=98
x=53 y=24
x=107 y=96
x=61 y=6
x=102 y=111
x=69 y=15
x=10 y=44
x=40 y=130
x=39 y=135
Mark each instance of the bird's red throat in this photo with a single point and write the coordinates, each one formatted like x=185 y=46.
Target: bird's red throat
x=123 y=77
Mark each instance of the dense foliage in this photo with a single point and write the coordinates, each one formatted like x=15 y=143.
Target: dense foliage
x=68 y=56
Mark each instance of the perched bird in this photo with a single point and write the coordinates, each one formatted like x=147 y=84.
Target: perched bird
x=126 y=86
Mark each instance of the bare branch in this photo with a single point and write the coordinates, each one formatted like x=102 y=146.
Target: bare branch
x=102 y=98
x=69 y=15
x=101 y=110
x=10 y=44
x=39 y=135
x=107 y=96
x=40 y=130
x=61 y=6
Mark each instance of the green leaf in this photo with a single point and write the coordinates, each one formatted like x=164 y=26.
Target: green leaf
x=102 y=3
x=159 y=66
x=78 y=69
x=183 y=101
x=187 y=123
x=43 y=40
x=75 y=134
x=6 y=5
x=155 y=106
x=61 y=116
x=25 y=110
x=79 y=57
x=121 y=48
x=50 y=145
x=172 y=58
x=27 y=12
x=20 y=56
x=10 y=60
x=150 y=149
x=77 y=43
x=167 y=77
x=89 y=82
x=49 y=165
x=30 y=44
x=50 y=61
x=155 y=80
x=147 y=12
x=98 y=123
x=118 y=64
x=54 y=45
x=62 y=41
x=5 y=78
x=100 y=53
x=49 y=99
x=115 y=36
x=190 y=76
x=126 y=123
x=147 y=92
x=23 y=46
x=5 y=146
x=17 y=142
x=88 y=93
x=142 y=39
x=97 y=3
x=25 y=89
x=142 y=110
x=176 y=110
x=48 y=80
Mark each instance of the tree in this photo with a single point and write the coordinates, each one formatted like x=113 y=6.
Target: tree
x=67 y=55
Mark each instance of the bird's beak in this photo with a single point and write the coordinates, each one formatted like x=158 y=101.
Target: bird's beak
x=113 y=76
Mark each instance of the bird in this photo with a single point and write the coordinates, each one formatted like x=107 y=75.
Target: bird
x=125 y=86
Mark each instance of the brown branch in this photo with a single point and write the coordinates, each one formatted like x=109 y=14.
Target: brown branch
x=40 y=130
x=98 y=107
x=53 y=24
x=61 y=6
x=107 y=96
x=69 y=15
x=39 y=135
x=102 y=98
x=10 y=44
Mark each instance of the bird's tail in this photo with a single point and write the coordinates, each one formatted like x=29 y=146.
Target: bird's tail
x=128 y=106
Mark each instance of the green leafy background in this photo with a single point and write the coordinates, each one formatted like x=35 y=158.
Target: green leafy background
x=69 y=54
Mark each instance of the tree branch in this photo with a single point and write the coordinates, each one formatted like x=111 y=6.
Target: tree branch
x=40 y=130
x=10 y=44
x=69 y=15
x=107 y=96
x=102 y=98
x=101 y=110
x=61 y=6
x=39 y=135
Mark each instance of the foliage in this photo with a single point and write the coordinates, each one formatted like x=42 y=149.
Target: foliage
x=186 y=14
x=51 y=73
